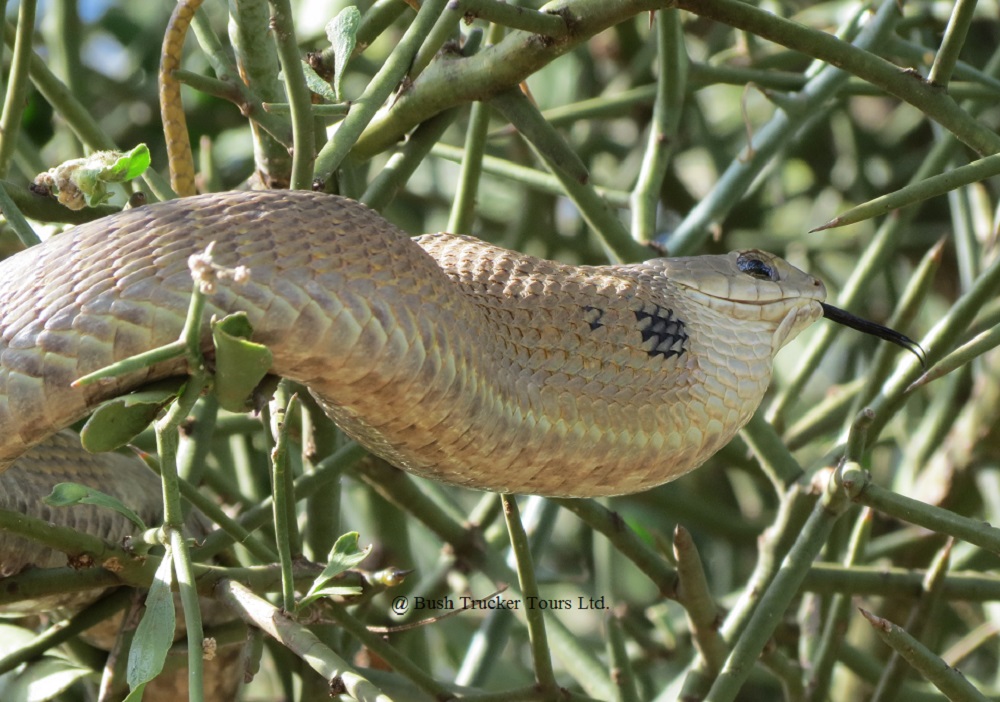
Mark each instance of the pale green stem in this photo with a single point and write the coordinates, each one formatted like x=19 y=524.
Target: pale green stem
x=299 y=97
x=17 y=84
x=667 y=109
x=378 y=91
x=529 y=588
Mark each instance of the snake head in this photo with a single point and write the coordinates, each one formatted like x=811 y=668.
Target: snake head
x=753 y=286
x=765 y=266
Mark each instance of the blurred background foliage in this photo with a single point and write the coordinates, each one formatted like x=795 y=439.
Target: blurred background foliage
x=845 y=147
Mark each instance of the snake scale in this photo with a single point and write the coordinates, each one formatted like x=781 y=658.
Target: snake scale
x=449 y=357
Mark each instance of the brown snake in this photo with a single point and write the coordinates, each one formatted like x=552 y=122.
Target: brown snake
x=451 y=358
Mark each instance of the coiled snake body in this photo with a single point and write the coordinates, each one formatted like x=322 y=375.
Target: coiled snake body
x=451 y=358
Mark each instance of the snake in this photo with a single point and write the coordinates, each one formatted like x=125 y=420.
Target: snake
x=449 y=357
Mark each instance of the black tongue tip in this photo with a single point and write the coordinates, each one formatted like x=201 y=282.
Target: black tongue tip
x=844 y=317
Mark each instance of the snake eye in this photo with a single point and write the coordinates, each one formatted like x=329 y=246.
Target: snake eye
x=755 y=267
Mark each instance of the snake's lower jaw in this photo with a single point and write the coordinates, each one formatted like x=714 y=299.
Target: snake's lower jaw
x=798 y=318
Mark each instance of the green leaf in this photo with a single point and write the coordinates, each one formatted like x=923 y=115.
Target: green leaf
x=136 y=694
x=133 y=164
x=344 y=556
x=116 y=422
x=45 y=679
x=315 y=83
x=342 y=31
x=333 y=591
x=240 y=364
x=155 y=633
x=13 y=637
x=66 y=494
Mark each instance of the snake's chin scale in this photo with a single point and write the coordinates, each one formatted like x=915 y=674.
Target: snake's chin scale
x=798 y=318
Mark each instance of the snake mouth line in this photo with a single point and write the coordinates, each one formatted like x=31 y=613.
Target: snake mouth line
x=708 y=297
x=844 y=317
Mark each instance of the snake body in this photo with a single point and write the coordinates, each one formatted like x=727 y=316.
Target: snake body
x=449 y=357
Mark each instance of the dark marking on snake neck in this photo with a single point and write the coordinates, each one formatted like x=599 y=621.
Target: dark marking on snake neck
x=593 y=317
x=659 y=325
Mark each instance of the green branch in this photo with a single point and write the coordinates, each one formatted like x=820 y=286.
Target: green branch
x=908 y=86
x=448 y=82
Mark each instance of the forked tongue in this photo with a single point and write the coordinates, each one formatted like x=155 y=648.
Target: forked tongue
x=863 y=325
